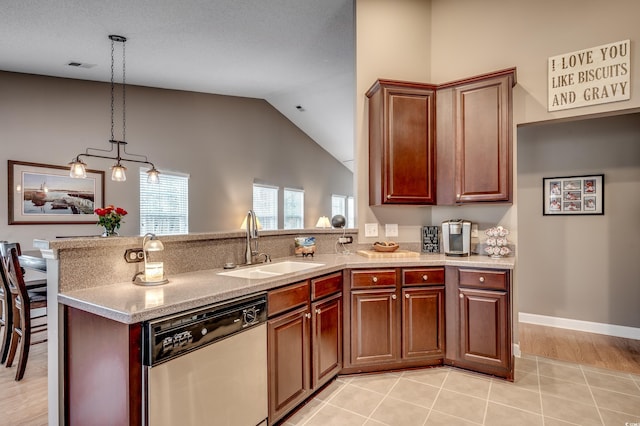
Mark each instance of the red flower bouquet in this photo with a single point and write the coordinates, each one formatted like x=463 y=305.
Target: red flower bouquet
x=110 y=219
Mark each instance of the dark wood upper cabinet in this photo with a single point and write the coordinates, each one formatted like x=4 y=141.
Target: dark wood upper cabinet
x=474 y=142
x=446 y=144
x=401 y=143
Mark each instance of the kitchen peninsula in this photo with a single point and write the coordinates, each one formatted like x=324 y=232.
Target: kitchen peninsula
x=95 y=291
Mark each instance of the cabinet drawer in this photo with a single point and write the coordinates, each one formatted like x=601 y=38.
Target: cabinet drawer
x=324 y=286
x=483 y=279
x=286 y=298
x=423 y=276
x=373 y=278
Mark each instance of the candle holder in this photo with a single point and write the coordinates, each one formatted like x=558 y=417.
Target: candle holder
x=153 y=273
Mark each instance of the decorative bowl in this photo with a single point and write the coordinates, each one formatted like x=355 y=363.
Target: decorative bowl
x=386 y=247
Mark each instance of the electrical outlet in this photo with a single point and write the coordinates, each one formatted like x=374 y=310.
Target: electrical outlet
x=391 y=230
x=370 y=229
x=345 y=240
x=134 y=255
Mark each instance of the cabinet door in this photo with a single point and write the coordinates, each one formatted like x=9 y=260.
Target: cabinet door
x=483 y=140
x=375 y=330
x=289 y=361
x=401 y=144
x=423 y=322
x=326 y=342
x=484 y=331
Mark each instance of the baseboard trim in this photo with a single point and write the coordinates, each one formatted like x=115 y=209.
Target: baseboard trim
x=579 y=325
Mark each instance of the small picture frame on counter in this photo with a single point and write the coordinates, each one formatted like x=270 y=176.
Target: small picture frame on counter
x=430 y=240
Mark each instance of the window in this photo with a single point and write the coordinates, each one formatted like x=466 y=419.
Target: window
x=164 y=206
x=293 y=208
x=265 y=205
x=338 y=205
x=345 y=206
x=351 y=213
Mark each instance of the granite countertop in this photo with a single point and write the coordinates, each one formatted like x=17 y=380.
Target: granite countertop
x=128 y=303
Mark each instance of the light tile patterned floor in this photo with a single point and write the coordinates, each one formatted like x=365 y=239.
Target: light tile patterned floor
x=545 y=393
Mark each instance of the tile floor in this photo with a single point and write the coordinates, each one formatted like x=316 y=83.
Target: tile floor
x=545 y=392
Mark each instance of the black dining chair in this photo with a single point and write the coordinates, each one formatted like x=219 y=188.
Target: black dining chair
x=24 y=322
x=6 y=317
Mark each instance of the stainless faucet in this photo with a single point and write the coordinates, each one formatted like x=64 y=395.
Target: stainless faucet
x=252 y=234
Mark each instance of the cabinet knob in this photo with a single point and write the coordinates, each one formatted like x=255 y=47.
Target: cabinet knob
x=374 y=279
x=307 y=315
x=394 y=297
x=461 y=296
x=388 y=196
x=481 y=279
x=407 y=296
x=425 y=277
x=318 y=311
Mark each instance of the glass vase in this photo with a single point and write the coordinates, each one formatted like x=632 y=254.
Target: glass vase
x=109 y=232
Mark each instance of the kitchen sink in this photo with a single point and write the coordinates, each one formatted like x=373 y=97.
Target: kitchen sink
x=267 y=270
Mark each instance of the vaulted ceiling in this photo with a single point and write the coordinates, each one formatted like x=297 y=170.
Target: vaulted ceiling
x=298 y=55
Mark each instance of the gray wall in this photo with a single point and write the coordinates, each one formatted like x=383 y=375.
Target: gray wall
x=223 y=142
x=581 y=267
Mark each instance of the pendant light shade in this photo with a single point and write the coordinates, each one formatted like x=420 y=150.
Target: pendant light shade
x=78 y=168
x=118 y=172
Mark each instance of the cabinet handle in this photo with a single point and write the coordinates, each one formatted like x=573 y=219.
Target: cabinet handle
x=307 y=315
x=425 y=277
x=374 y=279
x=481 y=279
x=388 y=196
x=394 y=297
x=461 y=296
x=318 y=311
x=407 y=296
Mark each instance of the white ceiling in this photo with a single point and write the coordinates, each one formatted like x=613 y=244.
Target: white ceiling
x=288 y=52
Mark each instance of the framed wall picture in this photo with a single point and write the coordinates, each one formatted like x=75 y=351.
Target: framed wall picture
x=45 y=194
x=570 y=195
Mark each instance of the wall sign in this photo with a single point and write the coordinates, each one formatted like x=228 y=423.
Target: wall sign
x=591 y=76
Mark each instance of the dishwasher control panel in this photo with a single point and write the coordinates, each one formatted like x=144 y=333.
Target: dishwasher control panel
x=172 y=336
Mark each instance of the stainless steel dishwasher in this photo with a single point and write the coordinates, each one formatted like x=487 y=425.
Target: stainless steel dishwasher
x=208 y=366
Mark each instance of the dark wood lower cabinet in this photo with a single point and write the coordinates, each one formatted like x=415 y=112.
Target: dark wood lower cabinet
x=304 y=343
x=289 y=362
x=479 y=327
x=374 y=331
x=326 y=325
x=423 y=322
x=483 y=328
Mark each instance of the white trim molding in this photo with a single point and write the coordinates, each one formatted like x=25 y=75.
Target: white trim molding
x=579 y=325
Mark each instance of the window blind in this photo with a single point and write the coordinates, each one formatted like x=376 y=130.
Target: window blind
x=164 y=206
x=265 y=205
x=293 y=208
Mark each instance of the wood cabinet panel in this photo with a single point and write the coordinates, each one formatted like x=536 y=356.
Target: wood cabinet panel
x=401 y=143
x=90 y=341
x=474 y=139
x=496 y=280
x=374 y=326
x=483 y=140
x=326 y=285
x=373 y=278
x=423 y=276
x=423 y=322
x=286 y=298
x=483 y=316
x=326 y=339
x=288 y=361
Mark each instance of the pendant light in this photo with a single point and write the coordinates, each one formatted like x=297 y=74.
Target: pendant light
x=78 y=168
